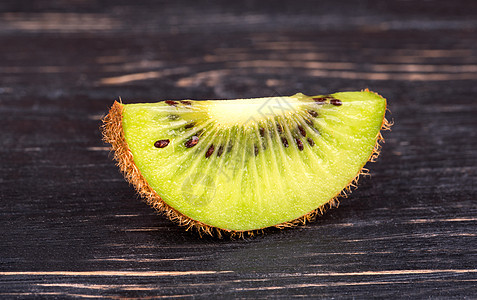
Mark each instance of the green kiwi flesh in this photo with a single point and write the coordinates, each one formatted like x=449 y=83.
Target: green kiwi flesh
x=247 y=164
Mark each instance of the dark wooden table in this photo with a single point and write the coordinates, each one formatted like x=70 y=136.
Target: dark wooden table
x=71 y=226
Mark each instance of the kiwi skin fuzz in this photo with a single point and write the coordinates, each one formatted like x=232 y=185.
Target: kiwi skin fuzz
x=113 y=134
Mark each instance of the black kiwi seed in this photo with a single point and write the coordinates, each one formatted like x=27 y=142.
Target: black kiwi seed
x=320 y=100
x=186 y=102
x=229 y=148
x=302 y=131
x=189 y=125
x=311 y=142
x=192 y=142
x=313 y=113
x=161 y=143
x=279 y=128
x=299 y=144
x=285 y=142
x=220 y=151
x=171 y=103
x=255 y=150
x=209 y=151
x=262 y=132
x=336 y=102
x=173 y=117
x=310 y=122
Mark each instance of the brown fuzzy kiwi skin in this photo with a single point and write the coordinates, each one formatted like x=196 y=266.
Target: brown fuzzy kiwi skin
x=113 y=134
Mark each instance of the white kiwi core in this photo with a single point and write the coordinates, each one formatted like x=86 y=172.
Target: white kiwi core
x=246 y=112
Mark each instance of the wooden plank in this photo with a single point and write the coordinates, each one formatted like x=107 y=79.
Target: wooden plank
x=71 y=226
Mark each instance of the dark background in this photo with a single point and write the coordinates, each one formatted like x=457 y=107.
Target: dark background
x=71 y=226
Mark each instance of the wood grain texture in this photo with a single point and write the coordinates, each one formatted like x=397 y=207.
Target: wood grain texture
x=72 y=227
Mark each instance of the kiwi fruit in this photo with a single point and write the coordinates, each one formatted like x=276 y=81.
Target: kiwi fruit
x=236 y=167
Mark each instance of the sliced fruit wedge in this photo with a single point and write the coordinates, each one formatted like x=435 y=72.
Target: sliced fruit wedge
x=238 y=166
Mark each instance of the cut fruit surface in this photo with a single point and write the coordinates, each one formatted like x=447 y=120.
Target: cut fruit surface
x=247 y=164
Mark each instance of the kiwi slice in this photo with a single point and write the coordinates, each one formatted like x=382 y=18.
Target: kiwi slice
x=239 y=166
